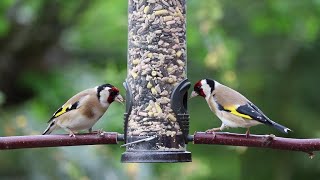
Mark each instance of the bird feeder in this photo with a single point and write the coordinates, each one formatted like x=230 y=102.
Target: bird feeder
x=156 y=124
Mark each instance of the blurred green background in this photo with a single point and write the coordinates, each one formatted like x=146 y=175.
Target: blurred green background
x=268 y=50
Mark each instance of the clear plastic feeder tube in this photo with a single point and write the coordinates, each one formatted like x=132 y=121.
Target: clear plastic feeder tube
x=156 y=120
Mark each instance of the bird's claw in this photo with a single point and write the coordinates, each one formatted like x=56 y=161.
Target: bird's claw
x=99 y=132
x=247 y=133
x=269 y=139
x=212 y=131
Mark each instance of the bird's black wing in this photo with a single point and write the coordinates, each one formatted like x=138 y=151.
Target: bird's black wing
x=254 y=112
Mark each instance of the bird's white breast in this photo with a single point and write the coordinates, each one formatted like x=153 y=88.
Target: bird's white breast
x=76 y=121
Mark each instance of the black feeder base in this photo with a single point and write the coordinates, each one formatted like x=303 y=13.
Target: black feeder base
x=155 y=156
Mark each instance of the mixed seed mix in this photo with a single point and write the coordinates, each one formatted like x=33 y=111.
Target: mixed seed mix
x=156 y=64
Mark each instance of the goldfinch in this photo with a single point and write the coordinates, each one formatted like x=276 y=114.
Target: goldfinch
x=231 y=107
x=84 y=109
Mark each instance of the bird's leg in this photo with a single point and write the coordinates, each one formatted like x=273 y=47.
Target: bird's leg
x=221 y=128
x=71 y=133
x=213 y=130
x=90 y=130
x=247 y=133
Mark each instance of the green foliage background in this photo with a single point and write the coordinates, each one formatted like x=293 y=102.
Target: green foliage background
x=268 y=50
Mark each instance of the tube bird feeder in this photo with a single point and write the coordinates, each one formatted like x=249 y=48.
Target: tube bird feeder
x=156 y=124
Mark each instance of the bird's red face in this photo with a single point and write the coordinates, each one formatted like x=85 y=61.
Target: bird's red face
x=107 y=93
x=198 y=90
x=114 y=95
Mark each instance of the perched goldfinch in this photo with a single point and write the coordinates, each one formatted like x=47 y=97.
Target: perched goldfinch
x=84 y=109
x=232 y=108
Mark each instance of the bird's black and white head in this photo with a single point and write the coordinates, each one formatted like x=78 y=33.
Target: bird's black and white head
x=203 y=87
x=108 y=93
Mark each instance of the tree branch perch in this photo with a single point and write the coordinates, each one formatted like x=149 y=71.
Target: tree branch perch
x=219 y=138
x=36 y=141
x=262 y=141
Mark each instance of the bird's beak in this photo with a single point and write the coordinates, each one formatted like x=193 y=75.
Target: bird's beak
x=119 y=99
x=193 y=94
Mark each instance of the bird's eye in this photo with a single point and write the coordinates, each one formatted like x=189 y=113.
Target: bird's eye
x=196 y=88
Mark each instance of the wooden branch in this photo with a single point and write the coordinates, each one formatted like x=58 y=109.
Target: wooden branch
x=262 y=141
x=18 y=142
x=219 y=138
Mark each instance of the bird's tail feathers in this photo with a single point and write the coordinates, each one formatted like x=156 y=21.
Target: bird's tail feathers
x=280 y=127
x=50 y=127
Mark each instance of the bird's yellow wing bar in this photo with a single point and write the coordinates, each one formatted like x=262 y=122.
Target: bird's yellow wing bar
x=234 y=110
x=61 y=111
x=248 y=111
x=65 y=108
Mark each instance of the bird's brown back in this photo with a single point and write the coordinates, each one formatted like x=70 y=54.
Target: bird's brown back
x=228 y=97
